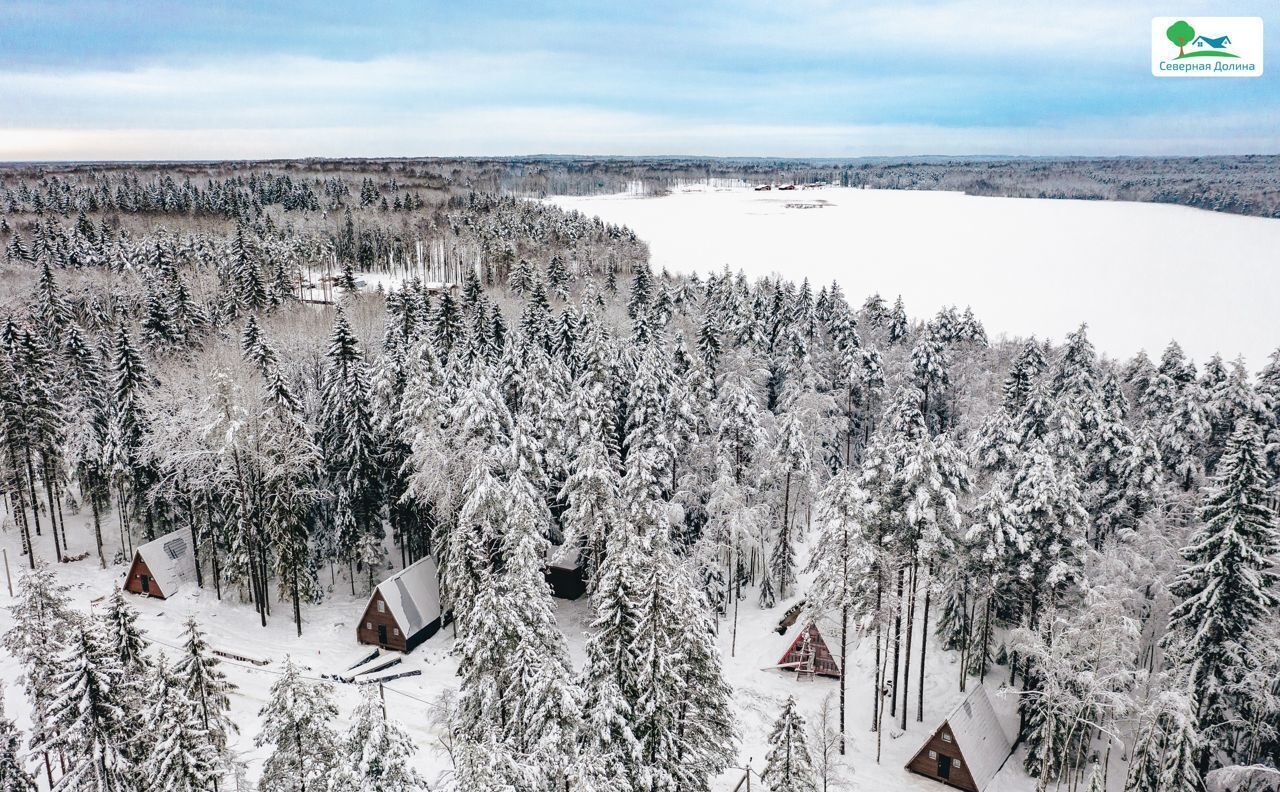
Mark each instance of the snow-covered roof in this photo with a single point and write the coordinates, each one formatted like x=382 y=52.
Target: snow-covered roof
x=980 y=737
x=562 y=557
x=170 y=561
x=413 y=595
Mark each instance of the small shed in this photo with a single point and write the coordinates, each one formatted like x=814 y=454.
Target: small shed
x=565 y=572
x=404 y=610
x=968 y=749
x=809 y=654
x=161 y=566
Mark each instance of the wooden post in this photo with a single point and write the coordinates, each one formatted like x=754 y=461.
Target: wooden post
x=7 y=577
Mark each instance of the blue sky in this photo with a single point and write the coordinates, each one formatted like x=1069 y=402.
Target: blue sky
x=164 y=80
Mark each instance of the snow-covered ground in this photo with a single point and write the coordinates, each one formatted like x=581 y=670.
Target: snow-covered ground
x=1139 y=274
x=328 y=646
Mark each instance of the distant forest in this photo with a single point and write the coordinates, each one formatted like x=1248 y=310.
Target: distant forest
x=1248 y=185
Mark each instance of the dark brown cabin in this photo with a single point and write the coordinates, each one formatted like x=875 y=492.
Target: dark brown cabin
x=404 y=610
x=808 y=654
x=160 y=567
x=968 y=749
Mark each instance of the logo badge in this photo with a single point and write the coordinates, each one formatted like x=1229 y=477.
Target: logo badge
x=1206 y=46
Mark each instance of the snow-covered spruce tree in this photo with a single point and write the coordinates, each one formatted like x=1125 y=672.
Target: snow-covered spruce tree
x=609 y=748
x=788 y=765
x=205 y=685
x=376 y=752
x=351 y=449
x=88 y=426
x=1268 y=389
x=791 y=452
x=1226 y=588
x=13 y=772
x=123 y=637
x=129 y=381
x=541 y=708
x=899 y=326
x=847 y=580
x=90 y=718
x=591 y=491
x=180 y=756
x=1026 y=370
x=42 y=618
x=1166 y=746
x=297 y=721
x=681 y=715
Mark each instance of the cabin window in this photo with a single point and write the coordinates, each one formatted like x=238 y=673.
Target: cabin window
x=395 y=631
x=382 y=606
x=957 y=763
x=368 y=625
x=933 y=754
x=946 y=737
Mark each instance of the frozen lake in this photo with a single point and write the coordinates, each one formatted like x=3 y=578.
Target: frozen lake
x=1139 y=274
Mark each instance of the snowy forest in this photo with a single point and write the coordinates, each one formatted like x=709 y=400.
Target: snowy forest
x=325 y=372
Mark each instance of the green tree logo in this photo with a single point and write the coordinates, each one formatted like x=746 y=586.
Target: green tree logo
x=1181 y=34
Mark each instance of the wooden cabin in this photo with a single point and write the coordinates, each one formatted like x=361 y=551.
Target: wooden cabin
x=968 y=749
x=404 y=610
x=808 y=654
x=160 y=567
x=565 y=573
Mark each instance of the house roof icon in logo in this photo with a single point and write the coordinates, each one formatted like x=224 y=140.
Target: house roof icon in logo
x=1183 y=35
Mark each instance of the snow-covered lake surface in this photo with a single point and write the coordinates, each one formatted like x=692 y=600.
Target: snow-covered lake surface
x=1138 y=274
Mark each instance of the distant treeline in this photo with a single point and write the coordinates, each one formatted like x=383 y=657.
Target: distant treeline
x=1248 y=185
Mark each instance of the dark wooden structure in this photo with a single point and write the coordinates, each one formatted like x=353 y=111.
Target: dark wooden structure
x=404 y=610
x=808 y=654
x=162 y=566
x=565 y=573
x=968 y=749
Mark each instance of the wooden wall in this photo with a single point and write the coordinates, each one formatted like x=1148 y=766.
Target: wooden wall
x=367 y=630
x=925 y=766
x=133 y=582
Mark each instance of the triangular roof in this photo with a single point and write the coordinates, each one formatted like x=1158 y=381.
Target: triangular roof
x=979 y=736
x=413 y=595
x=170 y=561
x=828 y=665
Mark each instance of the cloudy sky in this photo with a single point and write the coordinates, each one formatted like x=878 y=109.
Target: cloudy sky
x=204 y=80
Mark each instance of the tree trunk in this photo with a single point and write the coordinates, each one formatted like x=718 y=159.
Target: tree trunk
x=844 y=666
x=897 y=649
x=924 y=644
x=297 y=605
x=31 y=484
x=97 y=525
x=877 y=698
x=53 y=522
x=906 y=655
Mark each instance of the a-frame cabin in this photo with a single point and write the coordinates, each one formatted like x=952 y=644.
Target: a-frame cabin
x=968 y=749
x=808 y=654
x=404 y=610
x=160 y=567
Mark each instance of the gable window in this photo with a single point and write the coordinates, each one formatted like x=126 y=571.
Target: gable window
x=382 y=606
x=946 y=737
